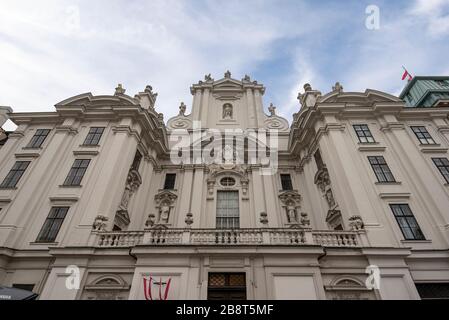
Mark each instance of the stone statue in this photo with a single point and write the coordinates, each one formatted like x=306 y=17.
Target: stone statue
x=246 y=78
x=291 y=212
x=263 y=218
x=227 y=111
x=356 y=223
x=227 y=74
x=272 y=110
x=100 y=223
x=330 y=198
x=164 y=213
x=305 y=219
x=119 y=89
x=208 y=77
x=338 y=87
x=182 y=109
x=150 y=220
x=189 y=219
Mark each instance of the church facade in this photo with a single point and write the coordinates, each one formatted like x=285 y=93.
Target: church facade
x=103 y=199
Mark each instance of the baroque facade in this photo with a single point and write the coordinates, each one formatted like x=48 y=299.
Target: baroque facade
x=349 y=201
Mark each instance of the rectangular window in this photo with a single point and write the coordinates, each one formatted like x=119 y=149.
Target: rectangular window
x=52 y=224
x=15 y=174
x=76 y=173
x=93 y=137
x=442 y=165
x=363 y=133
x=228 y=210
x=170 y=179
x=407 y=222
x=318 y=160
x=381 y=169
x=286 y=181
x=423 y=135
x=136 y=162
x=38 y=138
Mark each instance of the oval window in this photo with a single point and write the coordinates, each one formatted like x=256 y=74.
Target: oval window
x=227 y=182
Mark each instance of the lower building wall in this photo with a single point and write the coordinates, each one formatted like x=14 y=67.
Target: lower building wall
x=269 y=274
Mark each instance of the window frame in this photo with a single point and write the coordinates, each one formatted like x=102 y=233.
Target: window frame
x=363 y=132
x=48 y=228
x=14 y=174
x=442 y=167
x=93 y=138
x=38 y=139
x=75 y=172
x=407 y=216
x=381 y=169
x=426 y=138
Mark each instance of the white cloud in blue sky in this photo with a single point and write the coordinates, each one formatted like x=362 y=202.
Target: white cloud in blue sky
x=47 y=56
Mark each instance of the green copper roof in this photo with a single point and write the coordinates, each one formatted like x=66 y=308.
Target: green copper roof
x=425 y=91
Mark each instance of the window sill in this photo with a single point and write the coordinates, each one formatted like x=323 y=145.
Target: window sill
x=395 y=183
x=85 y=152
x=416 y=241
x=368 y=143
x=70 y=186
x=38 y=243
x=8 y=188
x=428 y=149
x=370 y=147
x=32 y=148
x=89 y=145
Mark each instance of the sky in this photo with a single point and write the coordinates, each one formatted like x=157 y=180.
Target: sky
x=51 y=50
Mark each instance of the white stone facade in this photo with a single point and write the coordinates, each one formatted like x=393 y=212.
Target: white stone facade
x=314 y=240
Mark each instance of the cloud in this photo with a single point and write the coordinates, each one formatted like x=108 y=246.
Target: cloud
x=53 y=50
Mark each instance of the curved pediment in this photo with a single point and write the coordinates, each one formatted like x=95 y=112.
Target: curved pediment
x=87 y=99
x=362 y=98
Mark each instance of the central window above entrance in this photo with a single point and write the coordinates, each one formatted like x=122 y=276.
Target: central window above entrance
x=228 y=216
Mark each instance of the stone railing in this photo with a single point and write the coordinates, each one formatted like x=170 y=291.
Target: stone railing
x=337 y=238
x=268 y=236
x=119 y=238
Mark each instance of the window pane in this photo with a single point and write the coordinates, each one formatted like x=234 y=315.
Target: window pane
x=407 y=222
x=15 y=174
x=77 y=172
x=52 y=224
x=286 y=182
x=170 y=181
x=443 y=166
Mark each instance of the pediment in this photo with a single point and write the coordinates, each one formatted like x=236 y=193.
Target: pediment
x=359 y=98
x=87 y=99
x=227 y=83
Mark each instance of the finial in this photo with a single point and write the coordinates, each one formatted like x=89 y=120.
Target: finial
x=272 y=110
x=338 y=87
x=119 y=89
x=227 y=74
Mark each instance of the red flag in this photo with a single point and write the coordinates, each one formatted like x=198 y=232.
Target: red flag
x=406 y=74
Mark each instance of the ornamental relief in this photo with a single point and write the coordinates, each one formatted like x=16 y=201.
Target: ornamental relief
x=291 y=206
x=133 y=181
x=236 y=171
x=165 y=204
